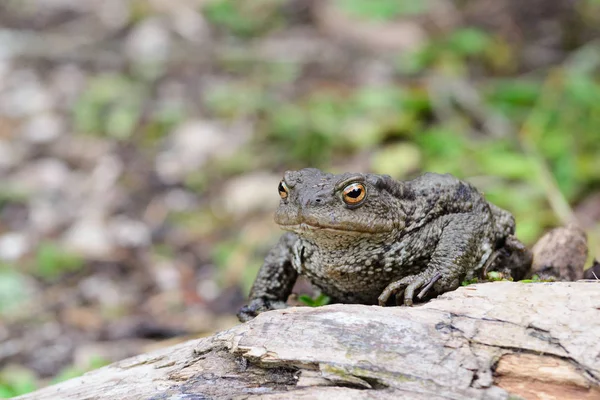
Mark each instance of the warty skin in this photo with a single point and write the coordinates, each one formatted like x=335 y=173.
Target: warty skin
x=403 y=239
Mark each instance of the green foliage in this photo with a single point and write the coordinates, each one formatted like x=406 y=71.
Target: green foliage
x=252 y=67
x=330 y=121
x=162 y=122
x=468 y=42
x=244 y=19
x=320 y=300
x=51 y=261
x=493 y=276
x=570 y=141
x=13 y=289
x=398 y=126
x=450 y=52
x=236 y=100
x=513 y=98
x=9 y=195
x=534 y=279
x=468 y=282
x=312 y=129
x=15 y=381
x=398 y=160
x=111 y=105
x=70 y=372
x=382 y=10
x=395 y=125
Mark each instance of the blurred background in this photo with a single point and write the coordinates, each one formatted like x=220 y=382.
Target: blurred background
x=141 y=144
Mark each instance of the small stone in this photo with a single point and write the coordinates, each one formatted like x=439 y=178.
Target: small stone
x=10 y=154
x=28 y=97
x=13 y=246
x=106 y=174
x=149 y=41
x=44 y=217
x=128 y=232
x=561 y=254
x=208 y=289
x=114 y=14
x=11 y=44
x=90 y=238
x=67 y=82
x=45 y=175
x=189 y=24
x=166 y=275
x=80 y=151
x=105 y=291
x=179 y=200
x=171 y=95
x=43 y=128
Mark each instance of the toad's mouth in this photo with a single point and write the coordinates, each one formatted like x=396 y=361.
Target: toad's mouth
x=304 y=227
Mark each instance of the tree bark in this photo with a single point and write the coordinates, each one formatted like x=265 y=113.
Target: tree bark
x=486 y=341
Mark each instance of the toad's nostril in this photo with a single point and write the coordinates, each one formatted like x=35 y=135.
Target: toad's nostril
x=318 y=200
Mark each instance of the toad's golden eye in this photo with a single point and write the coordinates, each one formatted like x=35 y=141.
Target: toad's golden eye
x=283 y=190
x=354 y=194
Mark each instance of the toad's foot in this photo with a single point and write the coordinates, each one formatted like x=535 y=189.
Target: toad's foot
x=257 y=306
x=408 y=285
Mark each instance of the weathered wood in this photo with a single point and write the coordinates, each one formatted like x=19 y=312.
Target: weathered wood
x=485 y=341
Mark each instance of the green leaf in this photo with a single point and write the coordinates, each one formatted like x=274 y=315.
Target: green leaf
x=468 y=282
x=6 y=392
x=382 y=10
x=494 y=276
x=318 y=301
x=469 y=41
x=442 y=141
x=413 y=62
x=51 y=261
x=582 y=89
x=536 y=279
x=516 y=92
x=16 y=380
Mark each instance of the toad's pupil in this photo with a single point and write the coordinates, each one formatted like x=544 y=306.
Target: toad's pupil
x=281 y=188
x=354 y=193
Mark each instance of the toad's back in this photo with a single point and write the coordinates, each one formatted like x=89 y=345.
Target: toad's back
x=433 y=195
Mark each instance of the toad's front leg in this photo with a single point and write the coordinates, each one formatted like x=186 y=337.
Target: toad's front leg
x=463 y=246
x=274 y=282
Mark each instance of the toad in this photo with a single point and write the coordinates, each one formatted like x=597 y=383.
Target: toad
x=369 y=239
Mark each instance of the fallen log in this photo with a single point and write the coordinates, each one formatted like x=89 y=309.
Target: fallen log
x=486 y=341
